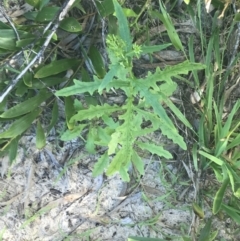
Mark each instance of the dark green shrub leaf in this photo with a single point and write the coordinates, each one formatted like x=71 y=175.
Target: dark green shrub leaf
x=57 y=67
x=40 y=137
x=26 y=106
x=20 y=125
x=70 y=25
x=47 y=14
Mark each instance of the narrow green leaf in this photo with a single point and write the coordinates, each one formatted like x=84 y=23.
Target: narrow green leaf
x=177 y=112
x=154 y=149
x=56 y=67
x=232 y=212
x=12 y=152
x=71 y=25
x=138 y=162
x=205 y=232
x=109 y=77
x=165 y=18
x=40 y=137
x=20 y=125
x=26 y=106
x=10 y=34
x=212 y=158
x=90 y=146
x=101 y=164
x=135 y=238
x=124 y=30
x=153 y=48
x=198 y=210
x=54 y=116
x=69 y=111
x=97 y=61
x=217 y=203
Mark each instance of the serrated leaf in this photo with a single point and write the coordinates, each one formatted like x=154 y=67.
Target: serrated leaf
x=219 y=196
x=40 y=137
x=122 y=158
x=113 y=143
x=124 y=30
x=90 y=146
x=71 y=25
x=124 y=174
x=26 y=106
x=101 y=164
x=167 y=128
x=94 y=112
x=78 y=88
x=154 y=149
x=56 y=67
x=68 y=135
x=109 y=76
x=138 y=162
x=21 y=125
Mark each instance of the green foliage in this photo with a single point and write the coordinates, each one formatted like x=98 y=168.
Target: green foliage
x=121 y=136
x=218 y=133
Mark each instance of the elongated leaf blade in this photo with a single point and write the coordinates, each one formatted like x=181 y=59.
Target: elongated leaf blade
x=79 y=88
x=124 y=30
x=57 y=67
x=26 y=106
x=40 y=137
x=94 y=112
x=101 y=164
x=217 y=203
x=154 y=149
x=20 y=125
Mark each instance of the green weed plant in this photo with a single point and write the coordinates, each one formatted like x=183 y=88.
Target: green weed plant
x=121 y=136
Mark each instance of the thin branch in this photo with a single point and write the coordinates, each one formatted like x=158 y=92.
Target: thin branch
x=57 y=21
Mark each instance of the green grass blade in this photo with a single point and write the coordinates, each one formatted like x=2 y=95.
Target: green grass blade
x=124 y=30
x=217 y=203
